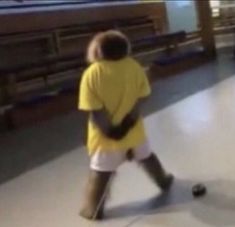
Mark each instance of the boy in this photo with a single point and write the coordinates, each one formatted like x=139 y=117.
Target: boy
x=112 y=91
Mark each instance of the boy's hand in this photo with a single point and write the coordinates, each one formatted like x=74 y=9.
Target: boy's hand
x=116 y=133
x=120 y=131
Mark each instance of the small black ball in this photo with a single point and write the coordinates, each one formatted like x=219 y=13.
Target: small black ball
x=199 y=190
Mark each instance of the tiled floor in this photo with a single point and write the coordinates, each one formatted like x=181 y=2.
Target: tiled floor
x=193 y=133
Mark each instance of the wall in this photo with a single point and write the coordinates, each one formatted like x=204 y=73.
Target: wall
x=32 y=21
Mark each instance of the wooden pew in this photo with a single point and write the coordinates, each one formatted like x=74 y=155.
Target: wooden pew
x=169 y=41
x=30 y=88
x=47 y=86
x=77 y=38
x=174 y=57
x=59 y=59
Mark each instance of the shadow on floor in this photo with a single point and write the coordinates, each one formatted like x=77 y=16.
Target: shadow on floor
x=217 y=208
x=180 y=194
x=24 y=149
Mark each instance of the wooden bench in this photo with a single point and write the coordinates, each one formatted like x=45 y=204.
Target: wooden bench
x=169 y=41
x=77 y=37
x=175 y=58
x=46 y=86
x=34 y=82
x=40 y=70
x=176 y=63
x=35 y=86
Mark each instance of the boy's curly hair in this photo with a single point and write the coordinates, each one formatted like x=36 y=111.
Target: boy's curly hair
x=109 y=45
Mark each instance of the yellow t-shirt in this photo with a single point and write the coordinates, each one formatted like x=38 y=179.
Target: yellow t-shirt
x=115 y=86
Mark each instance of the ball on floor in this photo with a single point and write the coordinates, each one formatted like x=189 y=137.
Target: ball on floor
x=199 y=190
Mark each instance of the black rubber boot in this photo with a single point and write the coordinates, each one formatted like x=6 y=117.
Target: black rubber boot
x=154 y=169
x=96 y=194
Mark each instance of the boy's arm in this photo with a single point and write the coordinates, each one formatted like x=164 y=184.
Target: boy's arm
x=137 y=109
x=132 y=117
x=144 y=91
x=101 y=119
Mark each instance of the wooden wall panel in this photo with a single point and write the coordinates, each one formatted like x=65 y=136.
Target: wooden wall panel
x=43 y=20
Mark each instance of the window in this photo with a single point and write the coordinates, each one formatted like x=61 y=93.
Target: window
x=215 y=4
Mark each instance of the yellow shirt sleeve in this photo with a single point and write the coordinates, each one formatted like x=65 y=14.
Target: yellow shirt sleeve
x=88 y=97
x=143 y=85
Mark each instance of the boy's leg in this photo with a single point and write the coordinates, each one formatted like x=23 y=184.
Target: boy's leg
x=95 y=195
x=153 y=167
x=103 y=166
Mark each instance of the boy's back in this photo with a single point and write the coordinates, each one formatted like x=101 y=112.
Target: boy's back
x=114 y=86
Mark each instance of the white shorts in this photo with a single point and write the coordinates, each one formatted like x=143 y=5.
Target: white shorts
x=110 y=161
